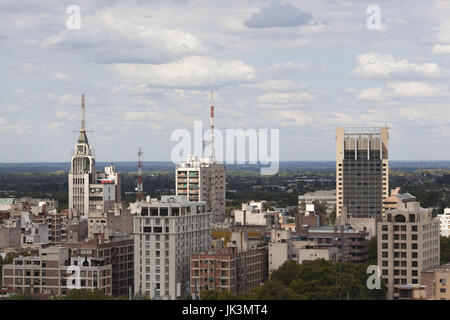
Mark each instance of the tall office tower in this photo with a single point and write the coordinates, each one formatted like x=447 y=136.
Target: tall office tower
x=203 y=180
x=166 y=233
x=362 y=171
x=408 y=243
x=91 y=193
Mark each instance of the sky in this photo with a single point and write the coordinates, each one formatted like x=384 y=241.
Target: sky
x=147 y=68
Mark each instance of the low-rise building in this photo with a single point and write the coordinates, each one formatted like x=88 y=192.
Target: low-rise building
x=437 y=281
x=118 y=251
x=10 y=236
x=238 y=268
x=55 y=272
x=253 y=213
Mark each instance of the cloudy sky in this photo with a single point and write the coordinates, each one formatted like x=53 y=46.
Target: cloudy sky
x=147 y=68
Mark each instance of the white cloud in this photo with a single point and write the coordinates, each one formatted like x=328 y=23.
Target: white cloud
x=123 y=35
x=441 y=49
x=276 y=85
x=403 y=89
x=444 y=32
x=61 y=76
x=375 y=65
x=279 y=15
x=192 y=71
x=285 y=98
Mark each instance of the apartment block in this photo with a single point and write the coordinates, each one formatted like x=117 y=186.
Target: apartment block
x=166 y=233
x=54 y=272
x=203 y=180
x=352 y=244
x=115 y=249
x=408 y=243
x=362 y=170
x=238 y=268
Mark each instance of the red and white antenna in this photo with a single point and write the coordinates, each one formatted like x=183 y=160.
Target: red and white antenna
x=139 y=187
x=212 y=125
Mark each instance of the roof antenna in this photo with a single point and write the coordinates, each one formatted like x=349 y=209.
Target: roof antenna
x=83 y=128
x=212 y=125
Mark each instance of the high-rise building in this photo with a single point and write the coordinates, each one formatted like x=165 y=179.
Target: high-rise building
x=91 y=193
x=408 y=243
x=166 y=233
x=362 y=170
x=80 y=174
x=203 y=180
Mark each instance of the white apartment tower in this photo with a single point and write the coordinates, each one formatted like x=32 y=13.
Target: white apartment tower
x=203 y=180
x=166 y=233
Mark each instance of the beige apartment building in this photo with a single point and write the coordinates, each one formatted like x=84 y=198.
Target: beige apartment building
x=408 y=243
x=54 y=272
x=362 y=171
x=437 y=282
x=203 y=180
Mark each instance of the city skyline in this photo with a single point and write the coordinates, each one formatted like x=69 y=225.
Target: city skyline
x=305 y=68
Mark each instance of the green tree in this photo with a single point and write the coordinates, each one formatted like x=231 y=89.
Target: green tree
x=445 y=250
x=83 y=294
x=272 y=290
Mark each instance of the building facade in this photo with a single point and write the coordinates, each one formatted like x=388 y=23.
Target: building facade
x=408 y=242
x=203 y=180
x=116 y=250
x=362 y=170
x=437 y=282
x=54 y=272
x=166 y=233
x=228 y=269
